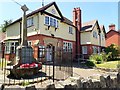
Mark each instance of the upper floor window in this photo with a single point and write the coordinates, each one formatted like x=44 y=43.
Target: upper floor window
x=51 y=21
x=46 y=20
x=95 y=34
x=29 y=22
x=102 y=37
x=70 y=30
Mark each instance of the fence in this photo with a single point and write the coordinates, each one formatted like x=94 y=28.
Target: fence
x=56 y=65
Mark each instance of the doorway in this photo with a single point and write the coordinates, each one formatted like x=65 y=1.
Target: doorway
x=50 y=53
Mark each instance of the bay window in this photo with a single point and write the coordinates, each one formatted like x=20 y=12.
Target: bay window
x=11 y=47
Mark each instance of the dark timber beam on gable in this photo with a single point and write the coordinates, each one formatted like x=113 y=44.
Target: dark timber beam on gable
x=52 y=15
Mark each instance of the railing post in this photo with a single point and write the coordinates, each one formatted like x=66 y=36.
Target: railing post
x=53 y=64
x=71 y=64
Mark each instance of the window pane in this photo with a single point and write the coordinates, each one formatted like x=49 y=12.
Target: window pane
x=67 y=46
x=70 y=30
x=84 y=49
x=29 y=21
x=7 y=48
x=46 y=20
x=51 y=22
x=54 y=22
x=57 y=23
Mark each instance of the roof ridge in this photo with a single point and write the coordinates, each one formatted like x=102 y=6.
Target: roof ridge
x=90 y=21
x=68 y=21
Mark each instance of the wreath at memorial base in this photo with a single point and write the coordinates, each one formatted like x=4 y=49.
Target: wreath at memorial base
x=26 y=70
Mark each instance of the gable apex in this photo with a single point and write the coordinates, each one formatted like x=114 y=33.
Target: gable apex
x=42 y=10
x=52 y=10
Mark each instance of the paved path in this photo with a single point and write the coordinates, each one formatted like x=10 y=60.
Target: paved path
x=85 y=73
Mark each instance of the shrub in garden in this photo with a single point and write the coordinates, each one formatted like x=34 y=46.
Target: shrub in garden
x=90 y=64
x=99 y=58
x=114 y=49
x=96 y=58
x=105 y=56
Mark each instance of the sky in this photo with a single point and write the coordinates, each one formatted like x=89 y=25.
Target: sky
x=105 y=12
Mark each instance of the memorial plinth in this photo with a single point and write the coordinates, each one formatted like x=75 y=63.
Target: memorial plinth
x=26 y=64
x=24 y=54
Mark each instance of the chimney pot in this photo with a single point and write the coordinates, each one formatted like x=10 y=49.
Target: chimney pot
x=112 y=27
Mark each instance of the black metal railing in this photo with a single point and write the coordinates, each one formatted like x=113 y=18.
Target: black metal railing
x=56 y=65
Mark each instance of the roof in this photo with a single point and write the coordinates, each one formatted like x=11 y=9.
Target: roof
x=102 y=27
x=12 y=38
x=113 y=31
x=42 y=10
x=88 y=26
x=69 y=22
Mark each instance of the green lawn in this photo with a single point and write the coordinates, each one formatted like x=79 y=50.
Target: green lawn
x=109 y=64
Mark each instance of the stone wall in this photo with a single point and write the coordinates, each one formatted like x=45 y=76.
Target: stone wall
x=102 y=82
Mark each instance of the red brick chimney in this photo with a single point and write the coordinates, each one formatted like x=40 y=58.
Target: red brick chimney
x=77 y=23
x=112 y=27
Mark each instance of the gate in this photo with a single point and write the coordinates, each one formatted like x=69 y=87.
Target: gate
x=57 y=66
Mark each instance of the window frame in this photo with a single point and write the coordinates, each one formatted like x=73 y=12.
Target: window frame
x=41 y=50
x=95 y=49
x=103 y=37
x=30 y=22
x=70 y=30
x=9 y=46
x=67 y=46
x=51 y=21
x=84 y=50
x=47 y=20
x=95 y=34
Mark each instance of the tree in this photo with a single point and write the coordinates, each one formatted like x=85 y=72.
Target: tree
x=114 y=49
x=5 y=24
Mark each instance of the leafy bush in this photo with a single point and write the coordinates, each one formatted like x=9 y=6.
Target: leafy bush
x=105 y=56
x=99 y=58
x=95 y=58
x=114 y=49
x=90 y=64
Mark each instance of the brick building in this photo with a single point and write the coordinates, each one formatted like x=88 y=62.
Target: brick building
x=48 y=28
x=92 y=37
x=112 y=36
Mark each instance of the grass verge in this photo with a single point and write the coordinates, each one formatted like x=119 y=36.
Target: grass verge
x=108 y=65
